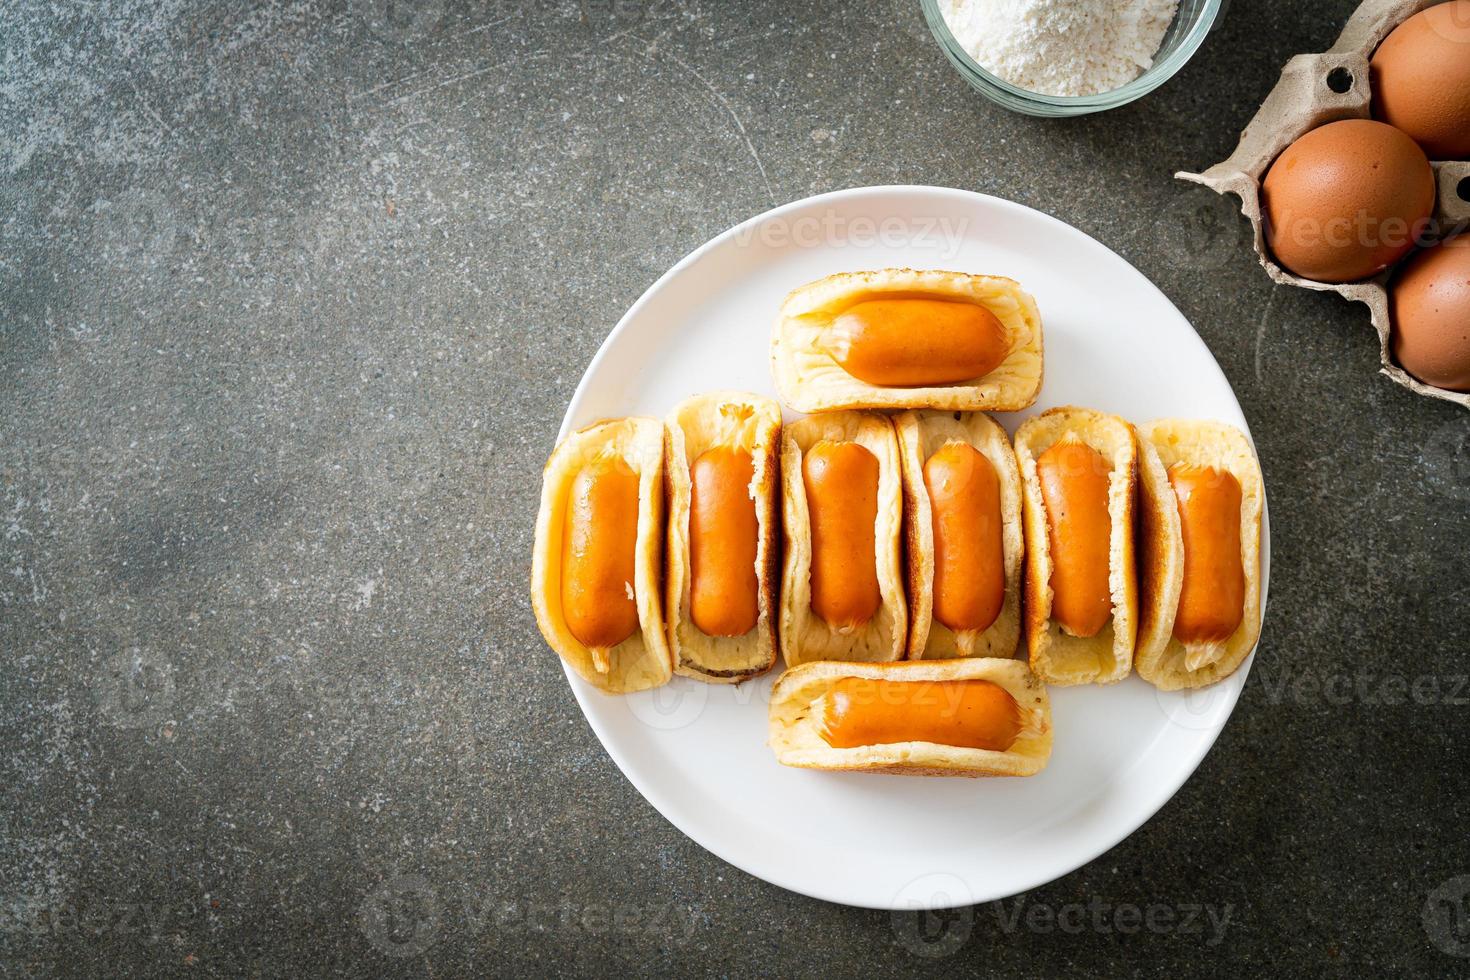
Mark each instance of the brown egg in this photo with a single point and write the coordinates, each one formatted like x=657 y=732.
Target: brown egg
x=1421 y=80
x=1430 y=302
x=1347 y=200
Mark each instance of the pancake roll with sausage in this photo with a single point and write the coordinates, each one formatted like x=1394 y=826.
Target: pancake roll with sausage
x=842 y=499
x=595 y=562
x=908 y=338
x=1200 y=549
x=963 y=535
x=1079 y=472
x=722 y=555
x=979 y=716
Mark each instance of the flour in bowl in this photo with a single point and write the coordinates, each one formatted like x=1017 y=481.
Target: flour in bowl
x=1061 y=47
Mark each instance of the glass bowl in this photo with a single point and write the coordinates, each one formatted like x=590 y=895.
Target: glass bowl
x=1192 y=22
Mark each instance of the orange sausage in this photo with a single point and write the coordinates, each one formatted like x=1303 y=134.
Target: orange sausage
x=841 y=480
x=911 y=343
x=971 y=714
x=598 y=547
x=723 y=596
x=1212 y=600
x=1074 y=488
x=969 y=559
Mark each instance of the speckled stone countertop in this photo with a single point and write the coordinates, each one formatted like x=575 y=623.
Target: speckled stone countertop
x=292 y=299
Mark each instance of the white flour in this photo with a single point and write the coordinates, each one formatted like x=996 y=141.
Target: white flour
x=1061 y=47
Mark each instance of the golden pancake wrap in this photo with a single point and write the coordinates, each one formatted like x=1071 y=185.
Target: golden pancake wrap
x=1161 y=659
x=642 y=660
x=810 y=380
x=920 y=435
x=805 y=636
x=751 y=423
x=795 y=733
x=1057 y=657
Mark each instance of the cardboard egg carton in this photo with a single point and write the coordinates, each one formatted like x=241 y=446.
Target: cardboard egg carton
x=1316 y=89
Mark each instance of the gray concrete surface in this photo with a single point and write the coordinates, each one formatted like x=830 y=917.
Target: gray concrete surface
x=292 y=298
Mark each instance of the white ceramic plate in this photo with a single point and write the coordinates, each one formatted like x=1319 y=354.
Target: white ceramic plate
x=698 y=752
